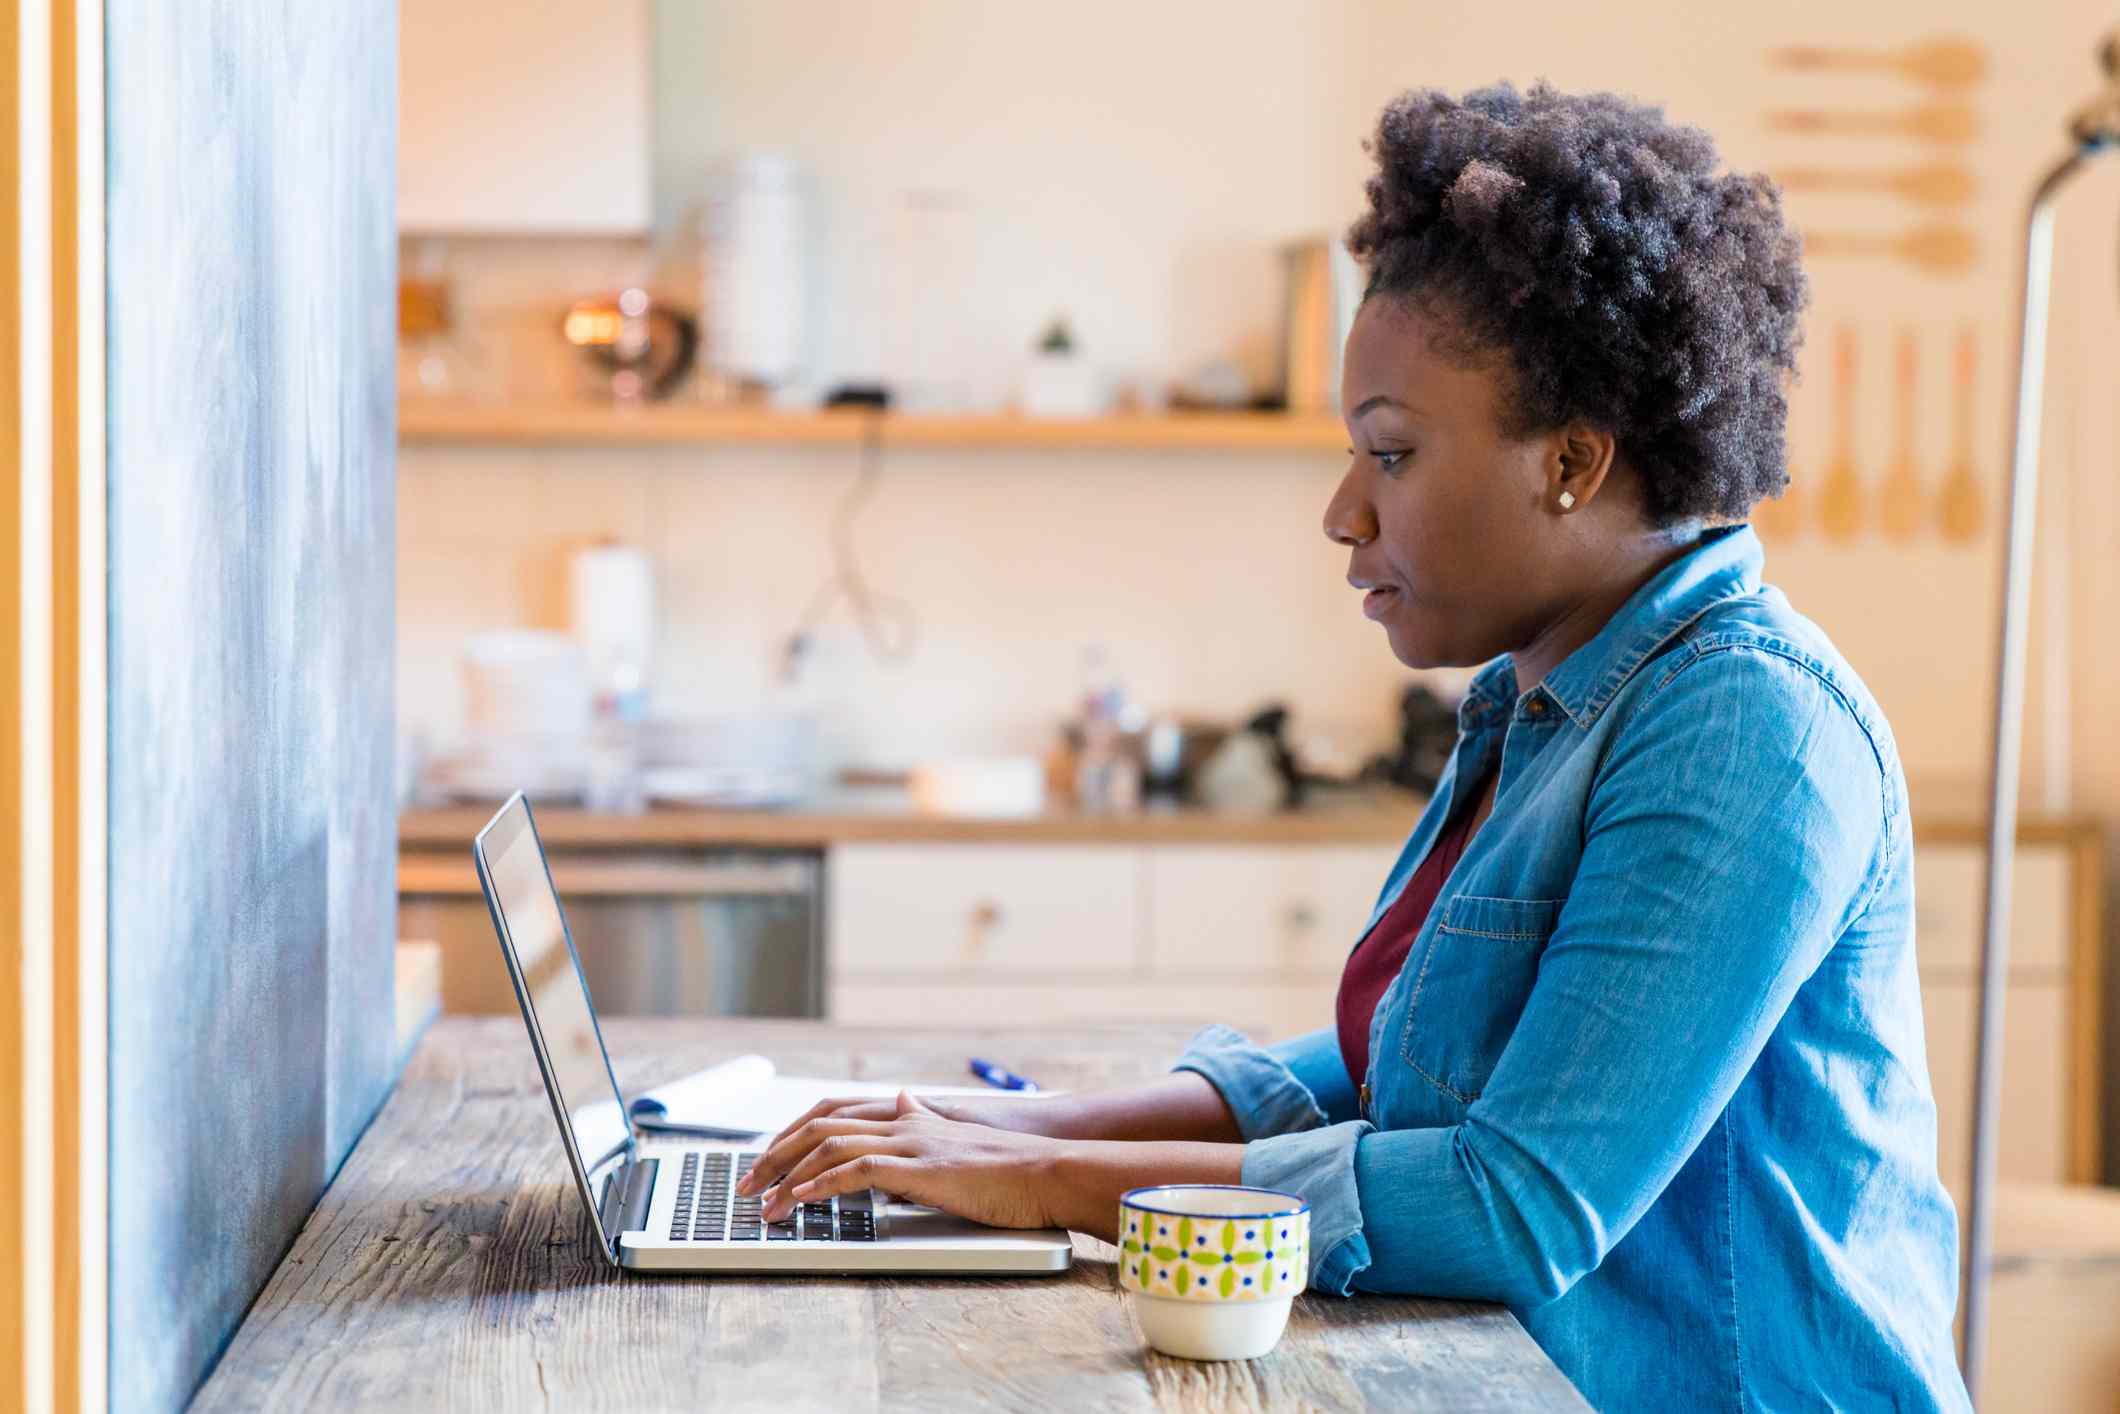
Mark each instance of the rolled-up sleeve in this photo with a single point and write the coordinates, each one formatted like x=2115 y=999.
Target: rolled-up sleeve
x=1285 y=1099
x=1261 y=1088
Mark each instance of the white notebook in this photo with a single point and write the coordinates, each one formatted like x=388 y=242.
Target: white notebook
x=748 y=1094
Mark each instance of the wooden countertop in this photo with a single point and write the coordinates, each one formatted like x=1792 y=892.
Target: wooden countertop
x=448 y=1266
x=885 y=816
x=1943 y=814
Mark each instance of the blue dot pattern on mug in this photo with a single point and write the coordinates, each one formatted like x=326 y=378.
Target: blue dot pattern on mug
x=1212 y=1258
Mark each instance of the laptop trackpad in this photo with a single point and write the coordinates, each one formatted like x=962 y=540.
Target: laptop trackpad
x=913 y=1221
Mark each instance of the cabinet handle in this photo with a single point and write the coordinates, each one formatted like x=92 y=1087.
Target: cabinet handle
x=1302 y=917
x=985 y=917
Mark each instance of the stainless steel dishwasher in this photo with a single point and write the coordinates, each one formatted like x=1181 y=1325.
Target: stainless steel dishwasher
x=661 y=932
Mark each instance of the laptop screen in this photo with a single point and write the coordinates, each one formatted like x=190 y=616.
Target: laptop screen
x=555 y=998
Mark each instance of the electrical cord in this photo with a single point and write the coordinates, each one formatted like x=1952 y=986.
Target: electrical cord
x=888 y=624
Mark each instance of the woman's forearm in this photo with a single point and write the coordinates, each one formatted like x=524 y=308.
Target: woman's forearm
x=1084 y=1180
x=1183 y=1106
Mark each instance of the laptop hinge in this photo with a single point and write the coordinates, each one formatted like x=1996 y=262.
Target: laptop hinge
x=627 y=1194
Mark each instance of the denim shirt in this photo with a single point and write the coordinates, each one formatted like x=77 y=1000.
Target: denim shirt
x=1653 y=1072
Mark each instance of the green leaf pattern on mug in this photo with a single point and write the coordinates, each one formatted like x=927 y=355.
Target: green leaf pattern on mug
x=1213 y=1259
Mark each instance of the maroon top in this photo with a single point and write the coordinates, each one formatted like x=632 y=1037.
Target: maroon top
x=1379 y=956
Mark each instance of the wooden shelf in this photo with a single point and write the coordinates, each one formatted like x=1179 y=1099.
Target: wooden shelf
x=601 y=424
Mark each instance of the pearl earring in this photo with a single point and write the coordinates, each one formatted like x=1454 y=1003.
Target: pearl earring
x=1567 y=500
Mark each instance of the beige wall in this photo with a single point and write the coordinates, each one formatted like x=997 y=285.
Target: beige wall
x=1204 y=576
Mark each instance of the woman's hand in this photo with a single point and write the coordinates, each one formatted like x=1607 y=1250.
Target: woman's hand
x=998 y=1176
x=908 y=1148
x=1054 y=1118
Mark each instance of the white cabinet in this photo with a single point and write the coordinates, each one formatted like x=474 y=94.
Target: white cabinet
x=983 y=911
x=2050 y=1061
x=1948 y=879
x=1260 y=910
x=524 y=118
x=2036 y=1085
x=1250 y=935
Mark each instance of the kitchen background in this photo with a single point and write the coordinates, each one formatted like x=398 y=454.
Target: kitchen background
x=966 y=172
x=851 y=197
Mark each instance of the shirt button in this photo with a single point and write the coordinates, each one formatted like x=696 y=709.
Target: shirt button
x=1365 y=1099
x=1536 y=707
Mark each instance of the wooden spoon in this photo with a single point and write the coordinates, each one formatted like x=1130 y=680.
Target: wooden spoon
x=1929 y=122
x=1840 y=497
x=1932 y=184
x=1963 y=503
x=1943 y=62
x=1934 y=249
x=1902 y=506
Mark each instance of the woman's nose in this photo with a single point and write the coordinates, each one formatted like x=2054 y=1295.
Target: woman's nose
x=1350 y=519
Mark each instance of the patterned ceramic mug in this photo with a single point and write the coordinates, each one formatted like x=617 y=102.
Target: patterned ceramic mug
x=1215 y=1267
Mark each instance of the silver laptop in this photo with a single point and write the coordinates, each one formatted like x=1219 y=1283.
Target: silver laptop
x=669 y=1205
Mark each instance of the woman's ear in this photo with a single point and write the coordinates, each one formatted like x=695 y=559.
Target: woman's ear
x=1583 y=457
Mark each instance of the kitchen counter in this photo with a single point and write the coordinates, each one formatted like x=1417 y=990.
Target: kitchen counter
x=873 y=816
x=1943 y=813
x=448 y=1267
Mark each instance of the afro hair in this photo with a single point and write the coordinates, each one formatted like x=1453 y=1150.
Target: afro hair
x=1627 y=281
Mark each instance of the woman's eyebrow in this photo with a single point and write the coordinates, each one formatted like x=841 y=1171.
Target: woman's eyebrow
x=1382 y=400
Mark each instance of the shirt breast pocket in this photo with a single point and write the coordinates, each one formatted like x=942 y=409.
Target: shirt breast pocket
x=1470 y=983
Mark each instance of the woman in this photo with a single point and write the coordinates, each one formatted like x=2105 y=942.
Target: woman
x=1633 y=1042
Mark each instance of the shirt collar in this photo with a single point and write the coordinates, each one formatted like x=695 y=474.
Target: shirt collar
x=1724 y=563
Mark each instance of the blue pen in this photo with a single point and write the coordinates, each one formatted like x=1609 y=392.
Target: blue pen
x=1001 y=1078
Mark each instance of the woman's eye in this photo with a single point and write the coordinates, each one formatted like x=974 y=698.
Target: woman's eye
x=1386 y=460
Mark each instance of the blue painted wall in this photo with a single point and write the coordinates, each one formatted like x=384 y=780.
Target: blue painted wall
x=252 y=271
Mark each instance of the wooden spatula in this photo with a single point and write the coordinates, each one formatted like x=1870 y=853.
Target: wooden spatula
x=1931 y=184
x=1964 y=503
x=1933 y=249
x=1903 y=506
x=1928 y=122
x=1946 y=61
x=1840 y=497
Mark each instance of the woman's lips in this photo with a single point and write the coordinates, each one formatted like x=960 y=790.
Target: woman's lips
x=1378 y=601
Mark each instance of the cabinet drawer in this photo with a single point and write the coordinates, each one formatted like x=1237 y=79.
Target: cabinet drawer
x=1275 y=910
x=983 y=910
x=1948 y=880
x=2036 y=1083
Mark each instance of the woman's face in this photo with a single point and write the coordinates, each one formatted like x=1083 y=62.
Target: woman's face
x=1449 y=522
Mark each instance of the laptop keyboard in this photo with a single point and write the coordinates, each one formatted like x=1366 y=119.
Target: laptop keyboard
x=708 y=1208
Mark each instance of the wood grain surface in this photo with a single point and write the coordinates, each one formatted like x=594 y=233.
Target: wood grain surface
x=449 y=1267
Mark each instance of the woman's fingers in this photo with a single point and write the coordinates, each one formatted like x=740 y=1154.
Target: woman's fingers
x=834 y=1153
x=784 y=1154
x=846 y=1107
x=897 y=1175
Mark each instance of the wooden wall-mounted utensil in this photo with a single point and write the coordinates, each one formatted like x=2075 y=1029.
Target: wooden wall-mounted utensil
x=1934 y=249
x=1840 y=494
x=1945 y=61
x=1963 y=504
x=1931 y=184
x=1928 y=122
x=1902 y=502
